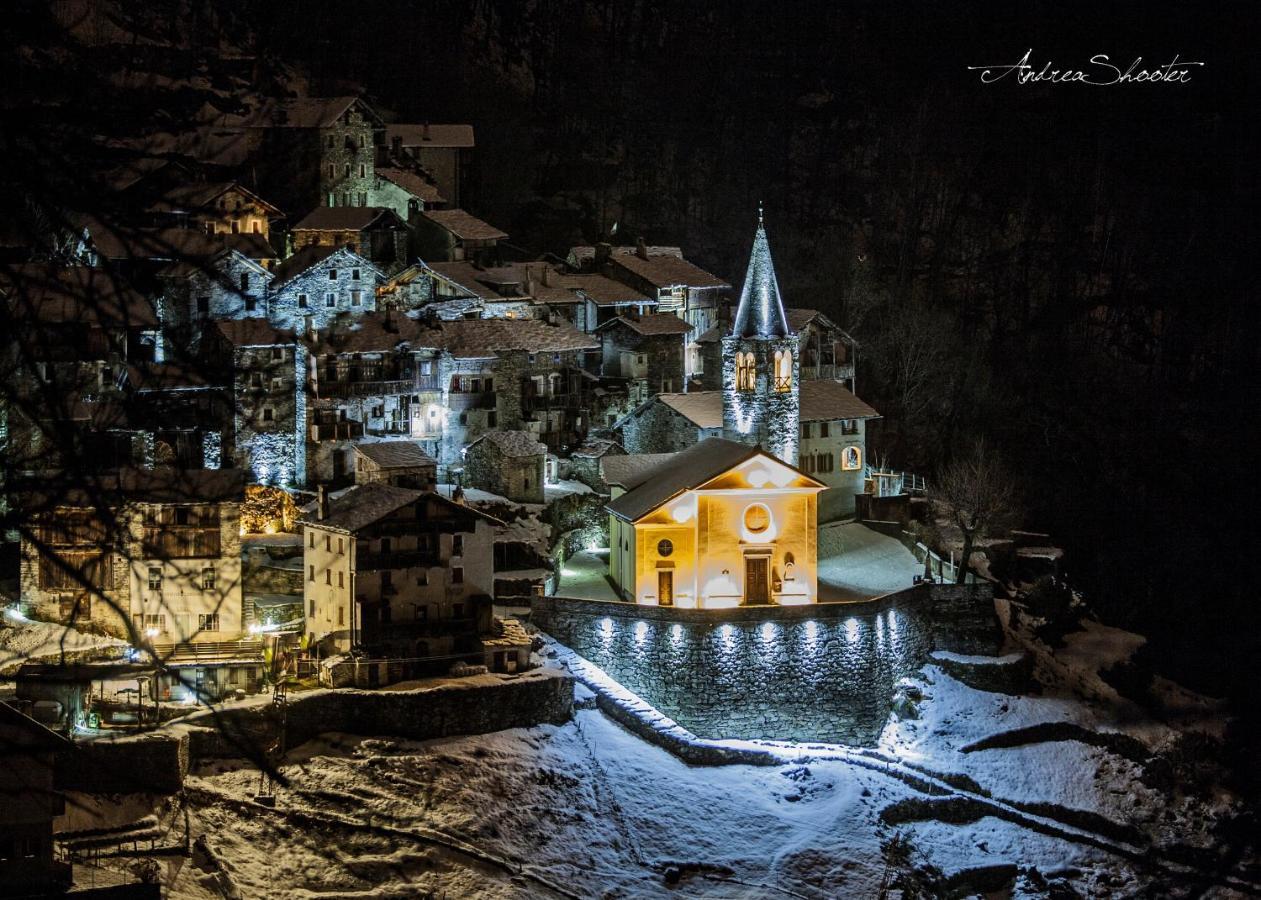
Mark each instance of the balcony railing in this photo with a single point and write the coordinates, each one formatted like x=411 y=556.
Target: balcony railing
x=337 y=431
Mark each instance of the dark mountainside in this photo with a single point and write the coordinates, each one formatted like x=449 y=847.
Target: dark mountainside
x=1061 y=268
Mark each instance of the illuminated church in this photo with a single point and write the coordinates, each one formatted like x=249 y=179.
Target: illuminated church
x=719 y=524
x=729 y=521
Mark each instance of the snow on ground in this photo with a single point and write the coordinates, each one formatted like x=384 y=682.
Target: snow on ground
x=856 y=562
x=25 y=640
x=587 y=808
x=583 y=576
x=563 y=488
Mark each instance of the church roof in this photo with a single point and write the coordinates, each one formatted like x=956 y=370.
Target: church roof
x=761 y=310
x=821 y=401
x=684 y=470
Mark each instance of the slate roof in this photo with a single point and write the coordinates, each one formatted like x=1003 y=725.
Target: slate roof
x=412 y=183
x=463 y=225
x=186 y=197
x=516 y=444
x=376 y=332
x=684 y=470
x=667 y=271
x=363 y=505
x=395 y=454
x=821 y=401
x=604 y=291
x=43 y=293
x=348 y=218
x=594 y=448
x=651 y=324
x=254 y=333
x=182 y=486
x=628 y=471
x=826 y=400
x=306 y=112
x=761 y=310
x=438 y=135
x=473 y=337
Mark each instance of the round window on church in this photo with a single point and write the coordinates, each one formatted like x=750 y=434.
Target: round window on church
x=664 y=548
x=757 y=518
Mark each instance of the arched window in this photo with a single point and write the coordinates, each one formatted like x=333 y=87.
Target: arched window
x=783 y=370
x=851 y=459
x=746 y=372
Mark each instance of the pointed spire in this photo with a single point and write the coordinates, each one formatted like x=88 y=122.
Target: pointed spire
x=761 y=310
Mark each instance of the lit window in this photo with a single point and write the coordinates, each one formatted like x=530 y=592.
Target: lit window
x=208 y=578
x=746 y=372
x=208 y=622
x=784 y=371
x=851 y=459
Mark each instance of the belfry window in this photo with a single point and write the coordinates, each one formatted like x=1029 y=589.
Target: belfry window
x=746 y=372
x=783 y=370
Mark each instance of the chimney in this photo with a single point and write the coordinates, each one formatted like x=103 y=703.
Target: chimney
x=321 y=503
x=641 y=249
x=424 y=132
x=603 y=253
x=529 y=282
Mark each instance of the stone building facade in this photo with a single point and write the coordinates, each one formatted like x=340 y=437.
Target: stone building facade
x=508 y=463
x=648 y=351
x=320 y=285
x=269 y=382
x=399 y=572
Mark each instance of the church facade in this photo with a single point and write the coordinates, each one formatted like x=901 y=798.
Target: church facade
x=720 y=524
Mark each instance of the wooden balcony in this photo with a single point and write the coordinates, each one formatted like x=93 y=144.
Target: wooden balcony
x=337 y=431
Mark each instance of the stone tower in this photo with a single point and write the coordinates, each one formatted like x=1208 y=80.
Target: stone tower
x=760 y=365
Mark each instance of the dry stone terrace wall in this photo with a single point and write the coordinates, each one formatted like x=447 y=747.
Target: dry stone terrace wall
x=823 y=672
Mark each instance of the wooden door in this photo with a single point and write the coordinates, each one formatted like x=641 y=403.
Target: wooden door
x=665 y=587
x=756 y=579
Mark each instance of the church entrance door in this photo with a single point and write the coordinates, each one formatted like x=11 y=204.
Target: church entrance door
x=756 y=579
x=665 y=587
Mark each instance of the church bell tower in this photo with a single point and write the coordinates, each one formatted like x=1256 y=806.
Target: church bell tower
x=760 y=365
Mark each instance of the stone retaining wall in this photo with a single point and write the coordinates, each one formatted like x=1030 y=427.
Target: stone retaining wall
x=475 y=705
x=823 y=672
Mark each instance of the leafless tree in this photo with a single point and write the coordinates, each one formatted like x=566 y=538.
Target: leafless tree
x=980 y=497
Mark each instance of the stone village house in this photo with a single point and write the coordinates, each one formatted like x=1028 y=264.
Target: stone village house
x=508 y=463
x=402 y=574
